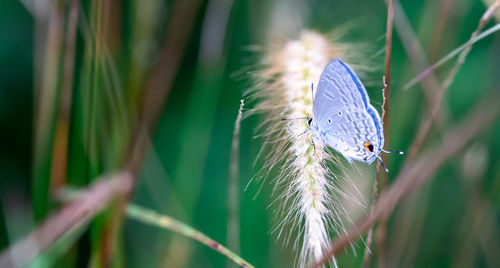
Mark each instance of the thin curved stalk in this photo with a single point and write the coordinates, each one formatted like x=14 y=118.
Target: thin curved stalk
x=151 y=217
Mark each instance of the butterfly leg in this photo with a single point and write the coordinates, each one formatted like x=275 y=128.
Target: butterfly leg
x=318 y=145
x=304 y=132
x=314 y=146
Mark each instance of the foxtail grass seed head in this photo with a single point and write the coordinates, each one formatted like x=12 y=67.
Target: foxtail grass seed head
x=310 y=195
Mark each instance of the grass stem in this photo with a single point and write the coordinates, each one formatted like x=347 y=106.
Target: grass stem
x=233 y=224
x=151 y=217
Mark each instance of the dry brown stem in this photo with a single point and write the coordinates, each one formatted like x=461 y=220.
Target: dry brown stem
x=73 y=215
x=426 y=124
x=159 y=84
x=382 y=179
x=60 y=149
x=416 y=55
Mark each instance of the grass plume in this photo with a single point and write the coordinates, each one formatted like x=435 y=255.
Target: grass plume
x=310 y=194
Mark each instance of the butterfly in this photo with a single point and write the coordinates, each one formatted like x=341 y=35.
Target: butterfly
x=343 y=117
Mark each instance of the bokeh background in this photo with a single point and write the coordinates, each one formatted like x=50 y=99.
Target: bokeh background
x=69 y=111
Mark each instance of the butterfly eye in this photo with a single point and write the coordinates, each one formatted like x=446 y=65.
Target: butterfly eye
x=368 y=146
x=309 y=121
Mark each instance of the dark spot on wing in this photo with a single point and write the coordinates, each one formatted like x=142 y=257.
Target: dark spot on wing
x=368 y=146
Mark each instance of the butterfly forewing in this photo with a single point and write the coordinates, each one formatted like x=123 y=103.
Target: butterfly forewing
x=338 y=89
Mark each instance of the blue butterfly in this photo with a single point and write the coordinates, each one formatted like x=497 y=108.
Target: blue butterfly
x=343 y=117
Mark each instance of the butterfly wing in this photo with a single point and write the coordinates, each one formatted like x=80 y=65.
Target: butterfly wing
x=343 y=115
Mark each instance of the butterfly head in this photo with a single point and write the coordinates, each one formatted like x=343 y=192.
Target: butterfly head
x=313 y=127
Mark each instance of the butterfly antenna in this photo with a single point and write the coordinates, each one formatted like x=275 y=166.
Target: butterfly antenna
x=312 y=91
x=389 y=152
x=382 y=162
x=296 y=118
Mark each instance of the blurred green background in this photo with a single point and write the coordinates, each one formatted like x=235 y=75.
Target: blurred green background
x=453 y=221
